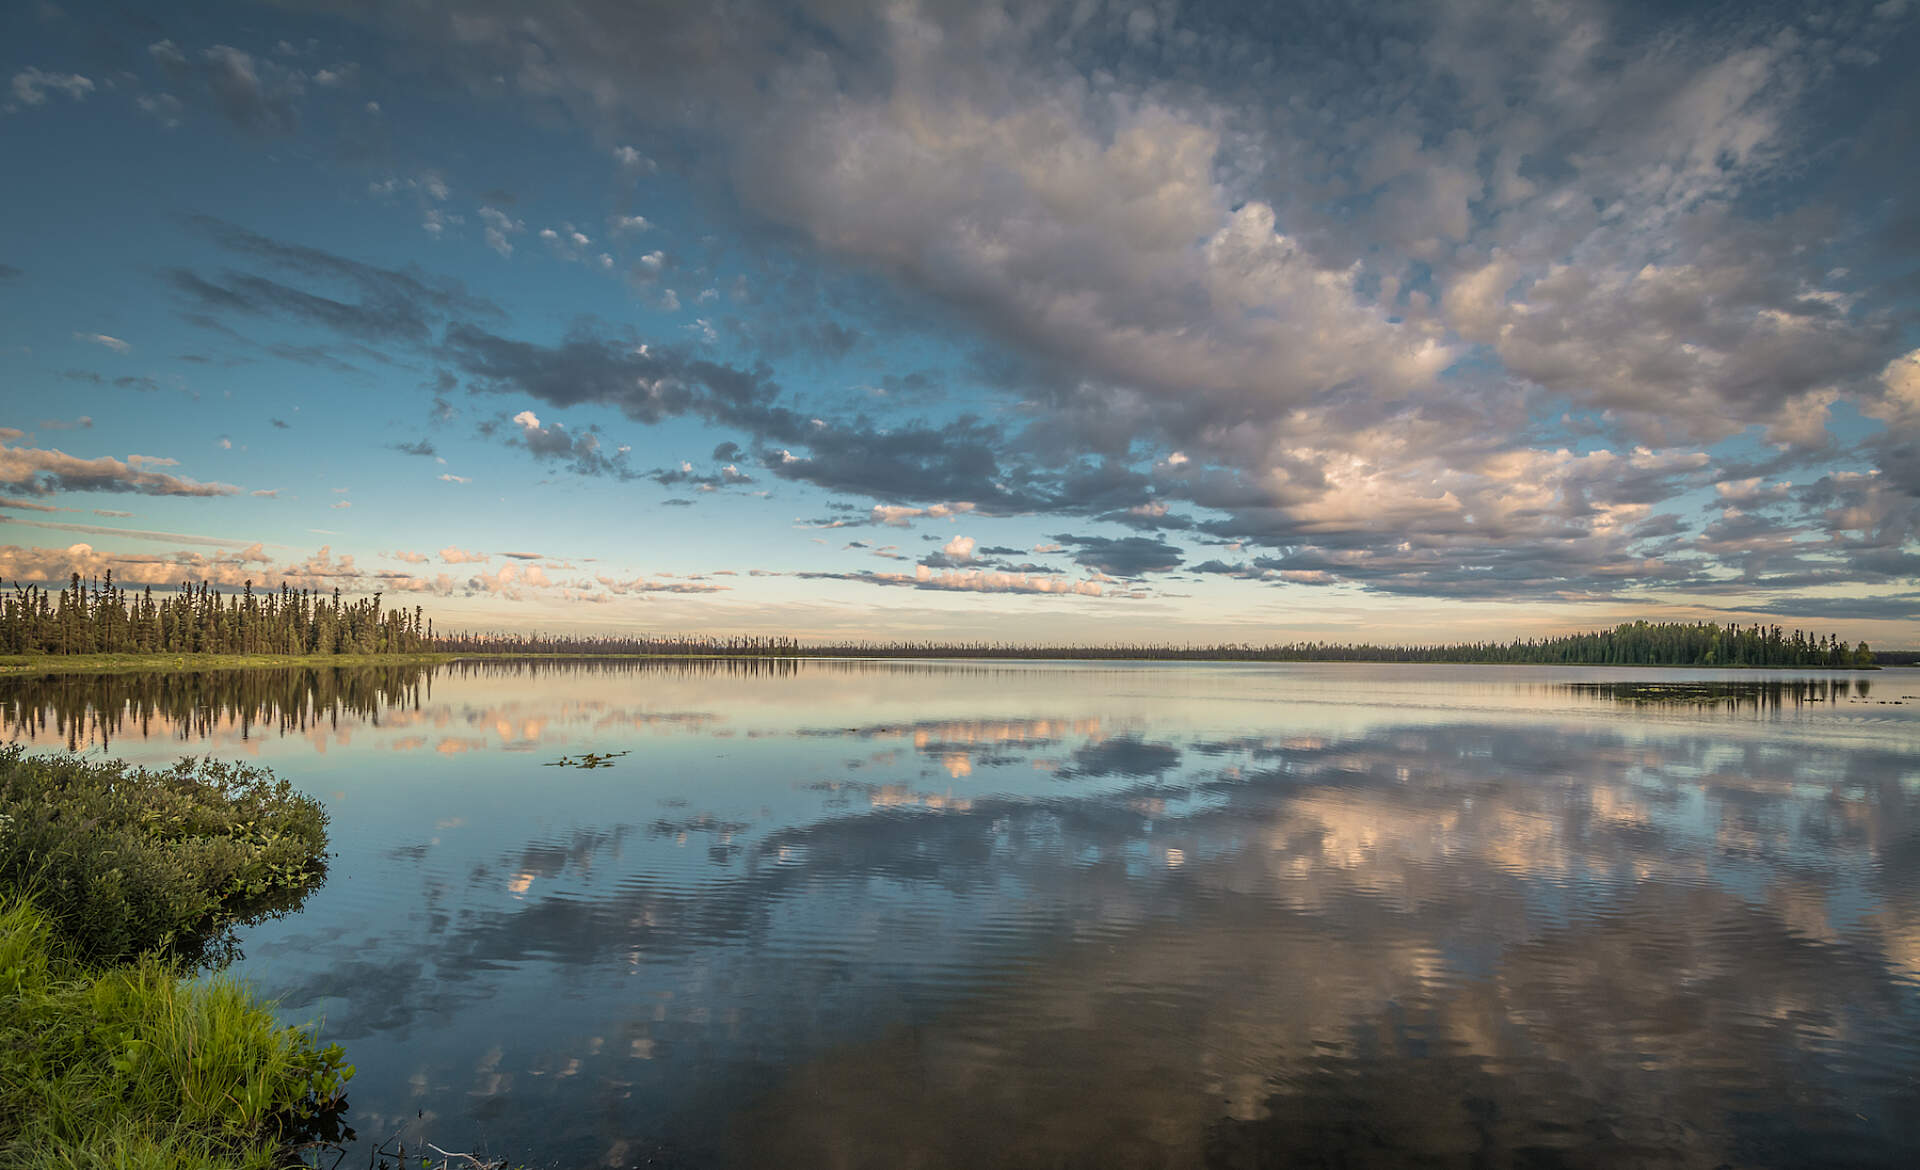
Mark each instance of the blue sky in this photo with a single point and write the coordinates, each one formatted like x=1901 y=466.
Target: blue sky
x=1082 y=321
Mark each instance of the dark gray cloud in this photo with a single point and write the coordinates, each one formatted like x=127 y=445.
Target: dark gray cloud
x=422 y=447
x=380 y=306
x=1124 y=556
x=1896 y=607
x=9 y=272
x=256 y=94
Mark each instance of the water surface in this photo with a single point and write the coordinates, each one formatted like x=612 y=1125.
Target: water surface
x=860 y=914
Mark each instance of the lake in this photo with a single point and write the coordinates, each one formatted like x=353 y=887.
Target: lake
x=970 y=914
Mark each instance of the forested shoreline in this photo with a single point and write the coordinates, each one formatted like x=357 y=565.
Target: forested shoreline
x=1631 y=644
x=101 y=618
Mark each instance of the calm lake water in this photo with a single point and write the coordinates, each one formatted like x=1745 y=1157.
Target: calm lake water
x=1105 y=915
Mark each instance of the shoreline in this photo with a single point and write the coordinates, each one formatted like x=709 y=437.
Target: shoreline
x=15 y=665
x=19 y=665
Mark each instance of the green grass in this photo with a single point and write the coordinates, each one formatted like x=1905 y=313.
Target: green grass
x=127 y=663
x=116 y=883
x=133 y=1066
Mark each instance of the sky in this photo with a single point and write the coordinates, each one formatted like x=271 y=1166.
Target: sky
x=1080 y=322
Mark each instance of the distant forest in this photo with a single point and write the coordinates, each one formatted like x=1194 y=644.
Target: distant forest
x=99 y=617
x=1632 y=644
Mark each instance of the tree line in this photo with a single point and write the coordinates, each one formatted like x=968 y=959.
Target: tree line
x=100 y=617
x=1631 y=644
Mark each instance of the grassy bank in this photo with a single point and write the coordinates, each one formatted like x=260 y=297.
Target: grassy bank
x=13 y=664
x=132 y=1066
x=116 y=884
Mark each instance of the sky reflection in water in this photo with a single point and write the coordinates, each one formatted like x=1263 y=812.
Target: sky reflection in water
x=955 y=915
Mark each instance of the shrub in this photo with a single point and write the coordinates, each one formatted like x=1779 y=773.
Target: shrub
x=134 y=1067
x=126 y=860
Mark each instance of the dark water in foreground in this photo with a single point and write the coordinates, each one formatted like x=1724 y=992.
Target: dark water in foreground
x=968 y=915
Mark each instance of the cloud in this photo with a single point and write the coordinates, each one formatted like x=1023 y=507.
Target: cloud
x=499 y=225
x=422 y=447
x=449 y=477
x=84 y=422
x=101 y=339
x=1127 y=556
x=255 y=94
x=902 y=516
x=379 y=305
x=29 y=505
x=965 y=581
x=31 y=86
x=456 y=556
x=580 y=450
x=637 y=585
x=176 y=538
x=38 y=472
x=1475 y=314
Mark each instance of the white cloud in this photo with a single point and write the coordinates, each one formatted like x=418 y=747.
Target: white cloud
x=31 y=86
x=498 y=226
x=101 y=339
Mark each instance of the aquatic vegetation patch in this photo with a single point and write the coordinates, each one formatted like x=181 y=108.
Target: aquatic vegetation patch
x=588 y=760
x=134 y=1066
x=126 y=861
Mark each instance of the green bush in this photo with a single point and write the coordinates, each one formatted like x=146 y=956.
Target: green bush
x=126 y=860
x=135 y=1067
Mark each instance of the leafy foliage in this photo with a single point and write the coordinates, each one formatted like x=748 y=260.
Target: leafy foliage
x=127 y=861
